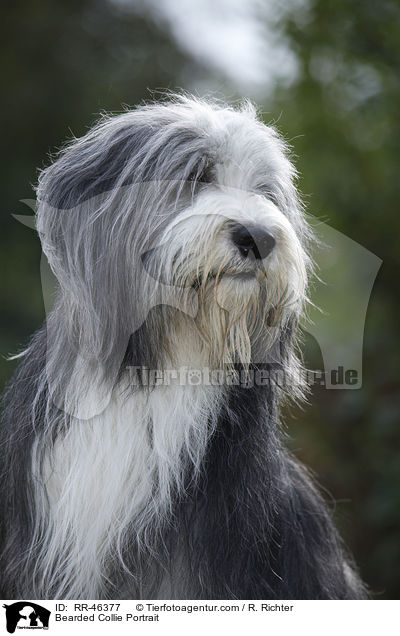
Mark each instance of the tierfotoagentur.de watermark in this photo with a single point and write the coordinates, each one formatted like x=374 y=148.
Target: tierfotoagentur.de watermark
x=245 y=378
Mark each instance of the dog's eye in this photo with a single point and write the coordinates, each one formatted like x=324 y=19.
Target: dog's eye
x=206 y=175
x=201 y=175
x=266 y=192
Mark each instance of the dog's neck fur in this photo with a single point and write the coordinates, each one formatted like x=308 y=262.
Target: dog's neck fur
x=183 y=492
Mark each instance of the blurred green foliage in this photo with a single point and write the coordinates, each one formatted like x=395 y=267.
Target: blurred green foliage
x=342 y=118
x=64 y=62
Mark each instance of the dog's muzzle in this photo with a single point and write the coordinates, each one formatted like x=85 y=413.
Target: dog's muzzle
x=253 y=242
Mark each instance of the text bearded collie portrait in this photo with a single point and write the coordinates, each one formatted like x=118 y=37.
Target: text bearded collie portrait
x=179 y=242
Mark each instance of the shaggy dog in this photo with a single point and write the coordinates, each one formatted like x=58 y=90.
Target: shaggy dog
x=141 y=436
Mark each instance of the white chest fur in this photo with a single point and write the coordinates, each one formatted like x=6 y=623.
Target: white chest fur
x=119 y=468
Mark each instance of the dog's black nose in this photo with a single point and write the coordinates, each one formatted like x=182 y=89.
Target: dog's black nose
x=254 y=241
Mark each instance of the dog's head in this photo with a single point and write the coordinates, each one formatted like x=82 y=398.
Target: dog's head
x=187 y=206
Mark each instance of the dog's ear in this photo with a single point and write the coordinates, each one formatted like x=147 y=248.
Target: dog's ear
x=108 y=156
x=74 y=193
x=80 y=202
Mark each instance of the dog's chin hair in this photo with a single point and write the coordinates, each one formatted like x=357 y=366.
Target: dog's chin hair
x=231 y=317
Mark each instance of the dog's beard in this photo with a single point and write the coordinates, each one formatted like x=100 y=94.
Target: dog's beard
x=229 y=318
x=239 y=305
x=233 y=316
x=241 y=317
